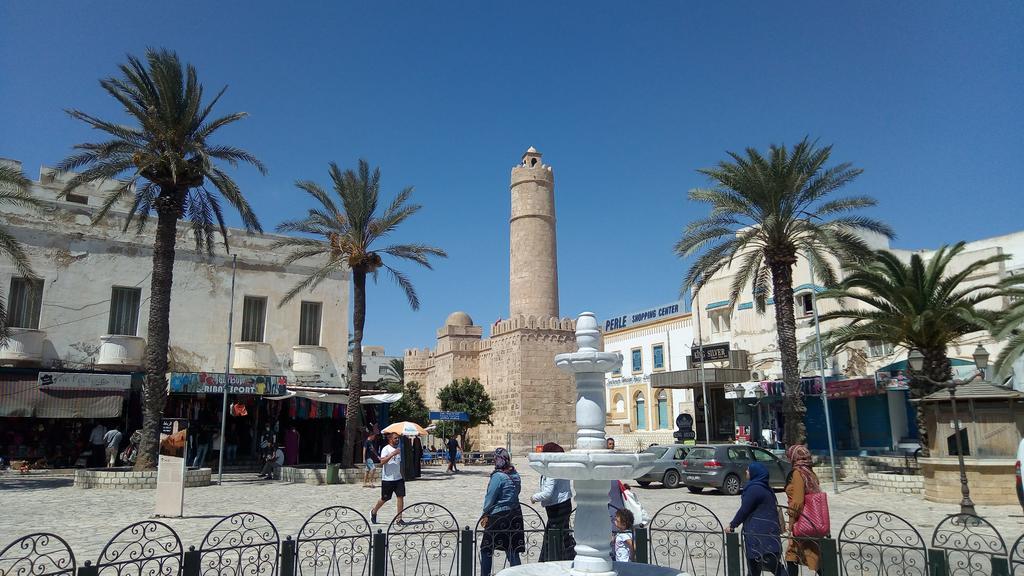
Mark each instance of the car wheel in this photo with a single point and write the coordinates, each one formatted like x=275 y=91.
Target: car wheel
x=671 y=479
x=644 y=483
x=695 y=489
x=731 y=486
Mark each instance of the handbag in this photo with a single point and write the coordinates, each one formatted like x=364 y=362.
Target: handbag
x=814 y=518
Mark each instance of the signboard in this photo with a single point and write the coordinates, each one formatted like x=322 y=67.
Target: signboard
x=83 y=381
x=213 y=383
x=710 y=353
x=450 y=416
x=642 y=379
x=170 y=471
x=644 y=316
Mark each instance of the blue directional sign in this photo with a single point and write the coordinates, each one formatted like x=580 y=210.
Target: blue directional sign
x=450 y=416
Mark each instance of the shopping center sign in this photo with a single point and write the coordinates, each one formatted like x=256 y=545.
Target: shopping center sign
x=213 y=383
x=644 y=316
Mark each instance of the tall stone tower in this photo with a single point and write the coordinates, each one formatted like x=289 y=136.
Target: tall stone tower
x=533 y=260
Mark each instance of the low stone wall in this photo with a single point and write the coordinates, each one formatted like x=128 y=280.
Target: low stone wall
x=128 y=479
x=991 y=481
x=896 y=483
x=297 y=475
x=861 y=467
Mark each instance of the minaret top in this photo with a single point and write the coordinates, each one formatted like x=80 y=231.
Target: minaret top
x=531 y=159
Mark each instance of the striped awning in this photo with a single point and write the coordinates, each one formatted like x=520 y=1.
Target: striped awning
x=22 y=396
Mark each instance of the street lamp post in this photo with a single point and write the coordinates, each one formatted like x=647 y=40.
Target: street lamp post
x=916 y=362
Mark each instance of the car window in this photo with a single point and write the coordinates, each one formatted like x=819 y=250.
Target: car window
x=680 y=453
x=657 y=451
x=763 y=456
x=701 y=454
x=738 y=454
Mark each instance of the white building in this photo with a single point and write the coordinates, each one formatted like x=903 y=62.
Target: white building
x=89 y=310
x=377 y=366
x=866 y=410
x=651 y=341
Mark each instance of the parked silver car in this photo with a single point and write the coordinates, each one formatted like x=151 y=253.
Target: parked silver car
x=668 y=468
x=724 y=467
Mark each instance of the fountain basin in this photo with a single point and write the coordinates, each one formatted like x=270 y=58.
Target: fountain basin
x=565 y=569
x=591 y=465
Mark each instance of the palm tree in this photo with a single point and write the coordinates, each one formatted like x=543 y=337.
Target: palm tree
x=1011 y=329
x=396 y=368
x=922 y=304
x=346 y=238
x=166 y=163
x=13 y=190
x=765 y=210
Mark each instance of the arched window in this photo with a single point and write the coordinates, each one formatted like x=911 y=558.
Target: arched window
x=619 y=403
x=640 y=410
x=663 y=422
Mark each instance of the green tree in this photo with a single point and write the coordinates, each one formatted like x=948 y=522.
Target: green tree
x=167 y=165
x=14 y=189
x=469 y=396
x=765 y=211
x=345 y=238
x=411 y=408
x=924 y=304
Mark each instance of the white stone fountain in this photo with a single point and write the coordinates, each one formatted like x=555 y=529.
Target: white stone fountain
x=590 y=466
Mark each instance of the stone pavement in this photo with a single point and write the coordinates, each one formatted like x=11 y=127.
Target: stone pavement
x=88 y=518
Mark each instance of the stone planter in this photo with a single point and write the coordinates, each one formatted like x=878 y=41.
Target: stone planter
x=318 y=475
x=311 y=360
x=252 y=358
x=893 y=483
x=128 y=479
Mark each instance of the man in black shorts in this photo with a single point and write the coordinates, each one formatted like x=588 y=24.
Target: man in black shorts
x=391 y=481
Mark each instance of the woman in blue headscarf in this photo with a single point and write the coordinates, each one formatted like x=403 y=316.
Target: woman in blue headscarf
x=502 y=518
x=759 y=516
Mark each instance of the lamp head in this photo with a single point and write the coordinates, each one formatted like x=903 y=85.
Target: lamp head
x=981 y=357
x=915 y=360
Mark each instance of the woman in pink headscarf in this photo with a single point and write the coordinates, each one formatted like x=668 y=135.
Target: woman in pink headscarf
x=802 y=480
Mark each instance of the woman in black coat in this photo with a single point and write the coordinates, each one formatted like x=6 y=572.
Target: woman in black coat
x=759 y=516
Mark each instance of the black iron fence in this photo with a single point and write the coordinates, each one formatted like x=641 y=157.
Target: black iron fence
x=685 y=536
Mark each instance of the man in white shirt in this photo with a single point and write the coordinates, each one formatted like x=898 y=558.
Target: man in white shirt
x=391 y=481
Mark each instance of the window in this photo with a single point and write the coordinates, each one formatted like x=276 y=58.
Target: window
x=663 y=423
x=254 y=318
x=658 y=352
x=124 y=311
x=878 y=348
x=738 y=454
x=680 y=454
x=382 y=370
x=658 y=451
x=721 y=321
x=808 y=356
x=805 y=304
x=763 y=456
x=76 y=198
x=309 y=324
x=637 y=360
x=363 y=371
x=24 y=303
x=641 y=414
x=620 y=404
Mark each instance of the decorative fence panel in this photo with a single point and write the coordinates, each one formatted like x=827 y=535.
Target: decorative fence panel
x=684 y=536
x=334 y=542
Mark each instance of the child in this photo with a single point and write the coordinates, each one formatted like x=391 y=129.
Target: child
x=623 y=544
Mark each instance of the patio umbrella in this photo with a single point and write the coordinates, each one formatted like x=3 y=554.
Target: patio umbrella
x=405 y=429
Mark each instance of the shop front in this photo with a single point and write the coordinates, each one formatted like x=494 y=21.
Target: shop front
x=46 y=416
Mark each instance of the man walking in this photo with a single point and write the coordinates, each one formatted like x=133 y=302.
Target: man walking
x=453 y=453
x=112 y=439
x=391 y=482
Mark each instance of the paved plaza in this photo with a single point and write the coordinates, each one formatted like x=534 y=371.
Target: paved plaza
x=88 y=518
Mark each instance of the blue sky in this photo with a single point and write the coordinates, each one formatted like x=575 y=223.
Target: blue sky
x=625 y=99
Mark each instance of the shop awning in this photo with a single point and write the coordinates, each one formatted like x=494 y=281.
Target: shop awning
x=692 y=378
x=68 y=395
x=334 y=395
x=854 y=388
